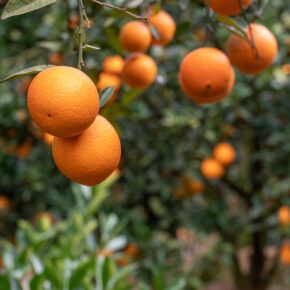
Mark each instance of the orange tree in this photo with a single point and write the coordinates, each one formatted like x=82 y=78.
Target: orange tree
x=165 y=136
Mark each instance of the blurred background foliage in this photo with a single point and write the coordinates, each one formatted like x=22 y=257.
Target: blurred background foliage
x=183 y=238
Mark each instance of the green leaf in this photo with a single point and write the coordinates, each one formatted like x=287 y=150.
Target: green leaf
x=105 y=95
x=232 y=25
x=28 y=71
x=18 y=7
x=90 y=48
x=178 y=284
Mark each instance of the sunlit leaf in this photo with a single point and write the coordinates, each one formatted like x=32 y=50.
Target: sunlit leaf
x=18 y=7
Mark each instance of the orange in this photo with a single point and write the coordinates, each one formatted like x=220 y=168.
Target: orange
x=180 y=193
x=24 y=149
x=55 y=58
x=284 y=215
x=73 y=22
x=47 y=138
x=212 y=169
x=224 y=153
x=165 y=26
x=90 y=157
x=63 y=101
x=131 y=250
x=135 y=36
x=192 y=185
x=140 y=71
x=206 y=75
x=122 y=261
x=109 y=80
x=285 y=253
x=5 y=203
x=113 y=64
x=252 y=60
x=229 y=7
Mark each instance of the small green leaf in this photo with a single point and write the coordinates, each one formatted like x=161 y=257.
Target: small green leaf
x=232 y=24
x=105 y=95
x=18 y=7
x=90 y=49
x=25 y=72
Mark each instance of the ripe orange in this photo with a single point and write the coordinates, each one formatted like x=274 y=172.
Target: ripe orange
x=226 y=7
x=212 y=169
x=5 y=203
x=24 y=149
x=47 y=138
x=165 y=25
x=73 y=22
x=284 y=215
x=63 y=101
x=109 y=80
x=285 y=253
x=113 y=64
x=206 y=75
x=251 y=60
x=135 y=36
x=192 y=185
x=140 y=71
x=131 y=250
x=55 y=58
x=224 y=153
x=90 y=157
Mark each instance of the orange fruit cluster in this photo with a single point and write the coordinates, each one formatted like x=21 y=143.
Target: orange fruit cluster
x=206 y=75
x=214 y=167
x=112 y=68
x=64 y=102
x=140 y=70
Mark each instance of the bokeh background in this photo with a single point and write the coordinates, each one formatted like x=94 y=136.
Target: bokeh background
x=157 y=223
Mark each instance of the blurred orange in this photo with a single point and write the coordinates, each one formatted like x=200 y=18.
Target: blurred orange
x=108 y=80
x=284 y=215
x=21 y=115
x=55 y=58
x=212 y=169
x=131 y=250
x=113 y=64
x=286 y=68
x=192 y=185
x=285 y=254
x=122 y=261
x=224 y=153
x=5 y=203
x=73 y=22
x=24 y=149
x=180 y=193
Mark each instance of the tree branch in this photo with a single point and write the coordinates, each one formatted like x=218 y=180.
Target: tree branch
x=121 y=9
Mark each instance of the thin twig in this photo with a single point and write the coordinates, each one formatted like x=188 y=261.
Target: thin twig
x=81 y=31
x=251 y=39
x=124 y=10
